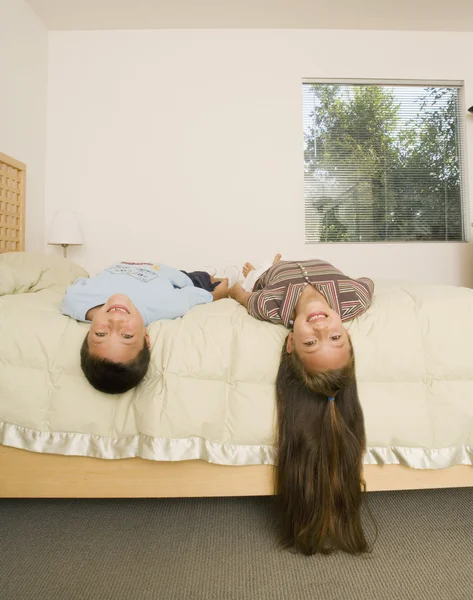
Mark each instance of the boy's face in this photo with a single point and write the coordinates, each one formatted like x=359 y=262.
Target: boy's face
x=117 y=332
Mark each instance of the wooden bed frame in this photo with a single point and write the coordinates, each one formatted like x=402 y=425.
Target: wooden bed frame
x=32 y=475
x=12 y=204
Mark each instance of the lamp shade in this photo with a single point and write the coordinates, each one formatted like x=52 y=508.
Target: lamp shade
x=65 y=229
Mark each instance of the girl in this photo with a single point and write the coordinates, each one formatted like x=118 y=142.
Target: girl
x=320 y=437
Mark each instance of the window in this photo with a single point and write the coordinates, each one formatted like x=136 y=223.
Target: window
x=383 y=162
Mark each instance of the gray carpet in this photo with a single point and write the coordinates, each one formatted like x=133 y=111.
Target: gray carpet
x=225 y=549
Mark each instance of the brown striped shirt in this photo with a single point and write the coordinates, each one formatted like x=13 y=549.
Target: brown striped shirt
x=278 y=290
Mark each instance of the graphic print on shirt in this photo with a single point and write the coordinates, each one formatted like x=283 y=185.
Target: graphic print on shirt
x=144 y=272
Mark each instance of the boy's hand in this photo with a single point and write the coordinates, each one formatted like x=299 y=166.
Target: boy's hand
x=221 y=291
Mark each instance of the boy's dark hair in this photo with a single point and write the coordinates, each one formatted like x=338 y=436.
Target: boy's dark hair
x=110 y=377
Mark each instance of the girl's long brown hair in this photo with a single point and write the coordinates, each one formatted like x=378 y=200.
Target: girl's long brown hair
x=320 y=448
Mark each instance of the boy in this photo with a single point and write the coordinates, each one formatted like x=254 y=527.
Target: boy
x=119 y=303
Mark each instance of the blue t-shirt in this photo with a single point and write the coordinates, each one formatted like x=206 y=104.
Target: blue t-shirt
x=157 y=291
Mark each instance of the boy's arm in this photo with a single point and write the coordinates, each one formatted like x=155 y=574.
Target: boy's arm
x=179 y=303
x=221 y=291
x=176 y=277
x=187 y=297
x=73 y=304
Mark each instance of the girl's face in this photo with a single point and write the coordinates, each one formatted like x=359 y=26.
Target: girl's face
x=319 y=338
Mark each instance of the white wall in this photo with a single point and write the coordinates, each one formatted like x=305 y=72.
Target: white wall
x=186 y=146
x=23 y=91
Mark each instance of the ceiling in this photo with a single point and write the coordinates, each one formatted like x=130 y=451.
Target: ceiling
x=407 y=15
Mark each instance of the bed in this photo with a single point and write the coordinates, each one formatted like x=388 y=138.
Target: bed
x=202 y=421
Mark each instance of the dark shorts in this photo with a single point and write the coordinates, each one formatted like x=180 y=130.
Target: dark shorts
x=201 y=279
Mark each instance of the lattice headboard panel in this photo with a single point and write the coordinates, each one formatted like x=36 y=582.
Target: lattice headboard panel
x=12 y=204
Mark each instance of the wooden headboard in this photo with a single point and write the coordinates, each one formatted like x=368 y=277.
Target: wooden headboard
x=12 y=204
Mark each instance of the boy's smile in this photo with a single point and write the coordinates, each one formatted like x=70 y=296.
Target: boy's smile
x=117 y=332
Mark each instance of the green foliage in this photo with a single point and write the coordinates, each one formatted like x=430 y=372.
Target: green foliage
x=379 y=176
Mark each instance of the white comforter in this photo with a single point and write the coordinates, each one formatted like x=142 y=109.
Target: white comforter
x=209 y=392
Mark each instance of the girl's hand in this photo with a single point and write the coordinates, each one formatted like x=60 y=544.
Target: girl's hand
x=239 y=294
x=235 y=290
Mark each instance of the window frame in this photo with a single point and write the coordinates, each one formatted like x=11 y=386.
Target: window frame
x=463 y=150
